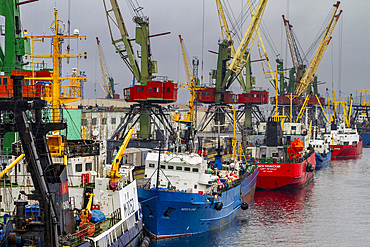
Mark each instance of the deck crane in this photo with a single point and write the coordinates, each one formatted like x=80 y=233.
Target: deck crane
x=149 y=91
x=108 y=86
x=325 y=40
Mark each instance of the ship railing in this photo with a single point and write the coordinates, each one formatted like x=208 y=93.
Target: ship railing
x=108 y=237
x=74 y=239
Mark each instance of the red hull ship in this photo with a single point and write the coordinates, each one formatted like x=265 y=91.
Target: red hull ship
x=285 y=175
x=280 y=167
x=346 y=151
x=344 y=142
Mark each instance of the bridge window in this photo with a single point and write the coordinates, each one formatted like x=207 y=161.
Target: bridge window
x=88 y=166
x=151 y=165
x=195 y=170
x=78 y=167
x=163 y=167
x=179 y=168
x=187 y=169
x=170 y=167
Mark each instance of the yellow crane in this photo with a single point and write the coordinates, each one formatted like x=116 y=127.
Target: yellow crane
x=191 y=85
x=325 y=40
x=114 y=174
x=239 y=60
x=225 y=29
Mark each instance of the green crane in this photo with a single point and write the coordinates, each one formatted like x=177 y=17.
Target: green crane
x=16 y=46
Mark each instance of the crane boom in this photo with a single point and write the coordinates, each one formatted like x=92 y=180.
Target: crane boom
x=293 y=47
x=108 y=87
x=114 y=174
x=189 y=74
x=312 y=68
x=239 y=61
x=126 y=53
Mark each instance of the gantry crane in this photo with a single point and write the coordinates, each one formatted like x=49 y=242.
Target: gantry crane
x=149 y=91
x=226 y=74
x=246 y=85
x=108 y=81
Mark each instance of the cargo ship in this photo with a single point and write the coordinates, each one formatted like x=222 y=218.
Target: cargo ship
x=182 y=196
x=322 y=153
x=284 y=162
x=344 y=142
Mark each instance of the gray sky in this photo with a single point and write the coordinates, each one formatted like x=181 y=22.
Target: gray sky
x=350 y=43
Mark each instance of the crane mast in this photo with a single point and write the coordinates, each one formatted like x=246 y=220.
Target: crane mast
x=293 y=47
x=325 y=40
x=107 y=80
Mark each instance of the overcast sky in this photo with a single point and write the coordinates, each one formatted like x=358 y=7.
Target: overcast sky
x=350 y=43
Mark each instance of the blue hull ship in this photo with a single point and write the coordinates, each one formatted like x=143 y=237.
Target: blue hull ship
x=365 y=139
x=322 y=160
x=322 y=153
x=173 y=213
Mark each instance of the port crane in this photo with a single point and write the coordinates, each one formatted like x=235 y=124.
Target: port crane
x=300 y=77
x=307 y=77
x=226 y=73
x=108 y=81
x=149 y=91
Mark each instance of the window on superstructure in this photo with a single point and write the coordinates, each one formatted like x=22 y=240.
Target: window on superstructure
x=195 y=186
x=88 y=167
x=78 y=167
x=149 y=89
x=151 y=165
x=93 y=121
x=84 y=122
x=163 y=167
x=170 y=167
x=5 y=81
x=113 y=120
x=345 y=143
x=179 y=168
x=168 y=90
x=104 y=121
x=195 y=170
x=187 y=169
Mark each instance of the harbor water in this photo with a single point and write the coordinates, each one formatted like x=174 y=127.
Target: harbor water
x=332 y=210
